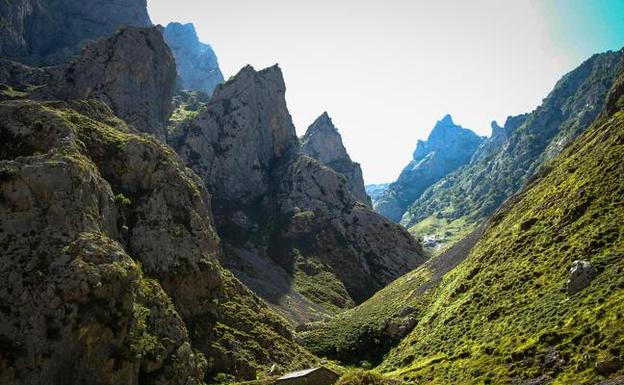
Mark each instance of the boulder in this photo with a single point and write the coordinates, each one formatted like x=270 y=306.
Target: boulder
x=580 y=276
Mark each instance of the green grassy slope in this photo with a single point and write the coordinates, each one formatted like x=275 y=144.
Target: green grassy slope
x=504 y=315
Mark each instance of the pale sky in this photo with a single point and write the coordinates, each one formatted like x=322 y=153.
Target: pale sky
x=386 y=71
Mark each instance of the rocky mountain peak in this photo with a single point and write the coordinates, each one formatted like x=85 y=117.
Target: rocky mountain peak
x=196 y=62
x=323 y=142
x=446 y=136
x=448 y=147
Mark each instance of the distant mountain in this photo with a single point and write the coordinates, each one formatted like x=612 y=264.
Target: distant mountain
x=323 y=142
x=375 y=191
x=459 y=202
x=40 y=32
x=197 y=63
x=448 y=147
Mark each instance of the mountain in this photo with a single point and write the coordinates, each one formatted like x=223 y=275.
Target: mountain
x=110 y=266
x=323 y=142
x=448 y=147
x=534 y=295
x=456 y=204
x=293 y=230
x=39 y=32
x=375 y=191
x=196 y=62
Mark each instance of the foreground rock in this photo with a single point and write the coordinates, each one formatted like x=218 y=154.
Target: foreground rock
x=110 y=263
x=294 y=231
x=323 y=142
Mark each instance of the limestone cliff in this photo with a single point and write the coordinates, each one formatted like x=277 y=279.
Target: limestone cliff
x=293 y=229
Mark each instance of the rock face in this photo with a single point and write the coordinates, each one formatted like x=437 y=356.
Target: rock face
x=580 y=276
x=448 y=147
x=498 y=137
x=293 y=229
x=133 y=72
x=39 y=32
x=109 y=241
x=196 y=62
x=323 y=142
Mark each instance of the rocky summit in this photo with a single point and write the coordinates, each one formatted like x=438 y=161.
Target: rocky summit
x=448 y=147
x=196 y=62
x=323 y=142
x=293 y=229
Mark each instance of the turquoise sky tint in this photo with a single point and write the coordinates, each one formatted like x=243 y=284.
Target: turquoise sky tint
x=584 y=27
x=387 y=70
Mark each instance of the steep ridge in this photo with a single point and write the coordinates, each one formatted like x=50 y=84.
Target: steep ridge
x=463 y=199
x=39 y=32
x=110 y=241
x=294 y=231
x=516 y=310
x=448 y=147
x=323 y=142
x=196 y=62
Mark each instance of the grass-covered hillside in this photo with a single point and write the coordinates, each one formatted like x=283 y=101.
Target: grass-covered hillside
x=504 y=315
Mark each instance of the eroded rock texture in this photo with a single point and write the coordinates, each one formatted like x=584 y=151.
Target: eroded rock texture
x=293 y=229
x=109 y=271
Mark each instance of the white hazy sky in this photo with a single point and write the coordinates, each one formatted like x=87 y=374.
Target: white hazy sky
x=387 y=70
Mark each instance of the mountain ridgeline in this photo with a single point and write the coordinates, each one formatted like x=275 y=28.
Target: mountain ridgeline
x=456 y=204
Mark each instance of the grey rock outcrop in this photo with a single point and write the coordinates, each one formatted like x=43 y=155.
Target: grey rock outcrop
x=109 y=268
x=580 y=276
x=448 y=147
x=40 y=32
x=133 y=72
x=284 y=216
x=323 y=142
x=197 y=63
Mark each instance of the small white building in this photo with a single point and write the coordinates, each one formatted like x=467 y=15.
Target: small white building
x=313 y=376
